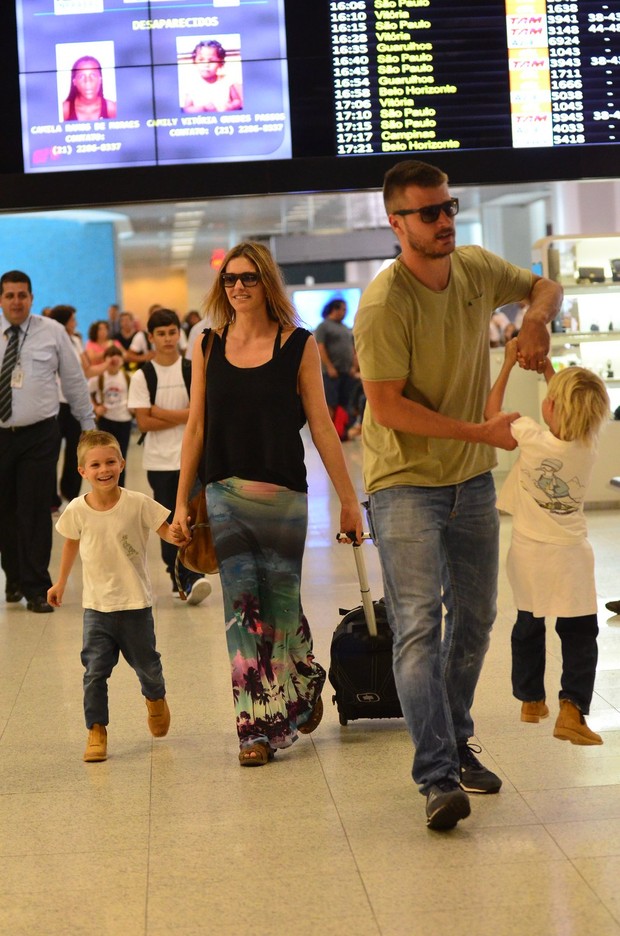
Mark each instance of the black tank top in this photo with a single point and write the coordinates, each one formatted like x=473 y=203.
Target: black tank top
x=254 y=415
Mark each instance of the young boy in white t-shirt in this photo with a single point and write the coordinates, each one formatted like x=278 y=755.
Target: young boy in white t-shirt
x=109 y=527
x=163 y=420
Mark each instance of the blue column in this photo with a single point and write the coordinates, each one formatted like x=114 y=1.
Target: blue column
x=69 y=256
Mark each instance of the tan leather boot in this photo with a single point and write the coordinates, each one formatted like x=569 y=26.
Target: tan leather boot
x=534 y=711
x=571 y=726
x=158 y=717
x=97 y=746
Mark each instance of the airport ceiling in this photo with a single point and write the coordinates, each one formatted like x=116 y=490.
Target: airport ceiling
x=172 y=234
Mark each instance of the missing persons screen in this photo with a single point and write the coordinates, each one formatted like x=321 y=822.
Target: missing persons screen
x=107 y=83
x=442 y=75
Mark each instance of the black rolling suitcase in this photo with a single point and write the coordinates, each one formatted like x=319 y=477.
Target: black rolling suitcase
x=361 y=658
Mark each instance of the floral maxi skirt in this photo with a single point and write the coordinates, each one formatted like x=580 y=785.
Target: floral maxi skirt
x=259 y=530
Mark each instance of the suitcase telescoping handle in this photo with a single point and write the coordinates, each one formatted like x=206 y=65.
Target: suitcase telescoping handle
x=369 y=608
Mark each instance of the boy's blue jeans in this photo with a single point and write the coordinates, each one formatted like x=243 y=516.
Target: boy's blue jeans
x=106 y=634
x=438 y=544
x=579 y=658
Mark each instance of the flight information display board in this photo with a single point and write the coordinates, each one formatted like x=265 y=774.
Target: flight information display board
x=308 y=96
x=430 y=76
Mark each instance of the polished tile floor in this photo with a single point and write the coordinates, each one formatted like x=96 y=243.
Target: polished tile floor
x=170 y=837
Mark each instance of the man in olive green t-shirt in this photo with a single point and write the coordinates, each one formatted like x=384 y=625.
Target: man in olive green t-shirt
x=422 y=339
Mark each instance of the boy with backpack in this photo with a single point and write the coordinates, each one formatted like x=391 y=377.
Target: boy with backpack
x=159 y=399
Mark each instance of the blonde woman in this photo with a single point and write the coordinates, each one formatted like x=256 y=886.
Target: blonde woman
x=263 y=383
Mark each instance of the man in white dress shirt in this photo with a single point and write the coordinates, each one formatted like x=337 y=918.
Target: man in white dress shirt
x=34 y=351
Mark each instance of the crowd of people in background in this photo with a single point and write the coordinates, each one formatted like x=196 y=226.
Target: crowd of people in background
x=121 y=330
x=341 y=377
x=116 y=347
x=84 y=384
x=107 y=390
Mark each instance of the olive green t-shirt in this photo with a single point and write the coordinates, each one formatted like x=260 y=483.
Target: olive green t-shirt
x=438 y=342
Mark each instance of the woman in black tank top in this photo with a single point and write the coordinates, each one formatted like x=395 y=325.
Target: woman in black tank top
x=243 y=436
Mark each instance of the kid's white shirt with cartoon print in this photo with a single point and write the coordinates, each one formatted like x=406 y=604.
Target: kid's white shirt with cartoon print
x=546 y=487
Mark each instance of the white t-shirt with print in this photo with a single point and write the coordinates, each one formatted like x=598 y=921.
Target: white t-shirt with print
x=114 y=395
x=546 y=487
x=162 y=448
x=113 y=549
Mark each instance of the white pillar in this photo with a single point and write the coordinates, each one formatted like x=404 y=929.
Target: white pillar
x=586 y=207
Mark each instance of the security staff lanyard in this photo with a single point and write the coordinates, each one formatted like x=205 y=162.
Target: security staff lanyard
x=17 y=377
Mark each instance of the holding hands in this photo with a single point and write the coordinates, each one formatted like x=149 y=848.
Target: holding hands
x=513 y=356
x=179 y=528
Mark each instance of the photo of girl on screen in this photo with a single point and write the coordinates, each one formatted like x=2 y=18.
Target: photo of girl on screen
x=86 y=100
x=211 y=85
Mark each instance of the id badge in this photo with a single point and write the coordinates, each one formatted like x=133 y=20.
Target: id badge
x=17 y=378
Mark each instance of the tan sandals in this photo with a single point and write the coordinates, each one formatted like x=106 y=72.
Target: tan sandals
x=315 y=718
x=260 y=753
x=255 y=755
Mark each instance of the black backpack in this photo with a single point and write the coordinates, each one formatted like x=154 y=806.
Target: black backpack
x=150 y=375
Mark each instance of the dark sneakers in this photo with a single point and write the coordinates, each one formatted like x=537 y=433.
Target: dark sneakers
x=613 y=606
x=475 y=778
x=446 y=803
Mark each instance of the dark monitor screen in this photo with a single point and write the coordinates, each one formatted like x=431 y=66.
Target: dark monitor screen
x=106 y=99
x=591 y=274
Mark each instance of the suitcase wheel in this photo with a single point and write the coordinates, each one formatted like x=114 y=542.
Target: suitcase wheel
x=341 y=718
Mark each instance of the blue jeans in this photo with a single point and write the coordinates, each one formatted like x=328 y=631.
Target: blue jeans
x=106 y=634
x=438 y=544
x=339 y=390
x=579 y=658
